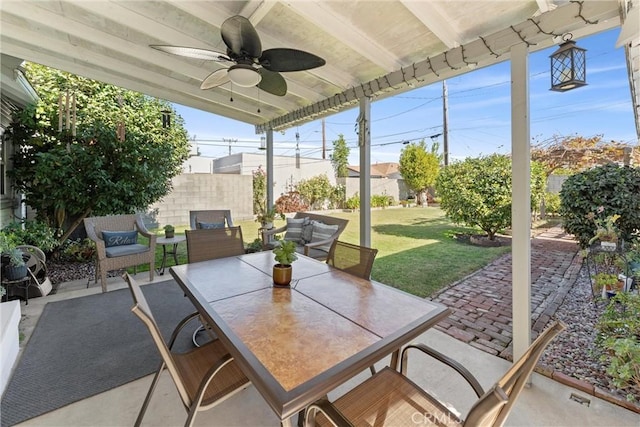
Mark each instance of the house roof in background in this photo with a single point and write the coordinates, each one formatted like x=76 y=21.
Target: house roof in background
x=379 y=170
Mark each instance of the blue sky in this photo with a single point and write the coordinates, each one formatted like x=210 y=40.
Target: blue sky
x=479 y=113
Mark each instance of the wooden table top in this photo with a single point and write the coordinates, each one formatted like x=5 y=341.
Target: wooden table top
x=297 y=344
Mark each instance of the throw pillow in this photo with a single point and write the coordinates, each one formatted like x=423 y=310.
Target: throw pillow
x=323 y=231
x=307 y=231
x=210 y=225
x=119 y=238
x=294 y=229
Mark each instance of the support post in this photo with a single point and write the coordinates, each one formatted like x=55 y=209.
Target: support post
x=520 y=199
x=270 y=199
x=364 y=144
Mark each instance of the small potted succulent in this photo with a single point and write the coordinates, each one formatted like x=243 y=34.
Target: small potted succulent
x=266 y=217
x=285 y=255
x=169 y=231
x=606 y=231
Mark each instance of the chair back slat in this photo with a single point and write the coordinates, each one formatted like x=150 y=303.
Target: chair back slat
x=512 y=382
x=143 y=311
x=206 y=244
x=352 y=259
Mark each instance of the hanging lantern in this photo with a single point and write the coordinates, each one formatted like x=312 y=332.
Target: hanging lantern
x=568 y=66
x=166 y=119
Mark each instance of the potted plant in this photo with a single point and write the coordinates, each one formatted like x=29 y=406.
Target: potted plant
x=169 y=231
x=285 y=255
x=266 y=217
x=607 y=283
x=606 y=231
x=255 y=246
x=13 y=264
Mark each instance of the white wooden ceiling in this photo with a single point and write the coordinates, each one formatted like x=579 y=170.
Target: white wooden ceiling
x=372 y=48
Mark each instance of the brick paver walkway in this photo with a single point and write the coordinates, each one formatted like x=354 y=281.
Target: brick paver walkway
x=481 y=302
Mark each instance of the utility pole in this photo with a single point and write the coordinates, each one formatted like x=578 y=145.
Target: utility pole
x=297 y=150
x=324 y=145
x=445 y=124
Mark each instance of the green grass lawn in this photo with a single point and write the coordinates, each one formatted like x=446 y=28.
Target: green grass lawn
x=417 y=249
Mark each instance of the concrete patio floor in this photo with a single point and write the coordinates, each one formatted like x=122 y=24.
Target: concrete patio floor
x=545 y=403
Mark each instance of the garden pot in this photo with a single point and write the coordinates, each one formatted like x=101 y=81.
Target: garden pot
x=281 y=275
x=267 y=225
x=169 y=234
x=15 y=273
x=608 y=246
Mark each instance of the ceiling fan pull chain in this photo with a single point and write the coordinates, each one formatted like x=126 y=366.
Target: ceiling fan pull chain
x=231 y=99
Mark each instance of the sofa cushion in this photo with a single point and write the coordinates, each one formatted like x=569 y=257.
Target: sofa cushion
x=294 y=229
x=210 y=225
x=323 y=231
x=122 y=250
x=119 y=238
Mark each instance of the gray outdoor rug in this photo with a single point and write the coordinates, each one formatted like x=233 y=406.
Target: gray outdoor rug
x=84 y=346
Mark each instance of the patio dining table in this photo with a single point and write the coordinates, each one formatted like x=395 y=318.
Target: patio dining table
x=297 y=344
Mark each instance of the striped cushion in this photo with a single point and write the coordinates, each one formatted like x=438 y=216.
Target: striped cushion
x=294 y=229
x=322 y=231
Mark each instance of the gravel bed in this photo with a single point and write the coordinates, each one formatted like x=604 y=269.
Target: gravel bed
x=573 y=352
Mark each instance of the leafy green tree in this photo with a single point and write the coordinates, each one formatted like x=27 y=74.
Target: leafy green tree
x=419 y=168
x=315 y=190
x=606 y=191
x=340 y=157
x=477 y=191
x=259 y=190
x=66 y=177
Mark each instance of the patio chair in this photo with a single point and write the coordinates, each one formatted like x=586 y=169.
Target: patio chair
x=206 y=244
x=115 y=237
x=389 y=398
x=219 y=218
x=204 y=376
x=352 y=259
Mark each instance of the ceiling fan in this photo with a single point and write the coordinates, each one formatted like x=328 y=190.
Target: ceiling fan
x=250 y=66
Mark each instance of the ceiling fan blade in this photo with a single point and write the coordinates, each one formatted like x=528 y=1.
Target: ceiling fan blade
x=241 y=37
x=217 y=78
x=283 y=59
x=272 y=82
x=192 y=52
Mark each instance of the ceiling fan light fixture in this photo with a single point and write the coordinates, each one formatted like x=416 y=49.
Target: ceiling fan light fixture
x=244 y=75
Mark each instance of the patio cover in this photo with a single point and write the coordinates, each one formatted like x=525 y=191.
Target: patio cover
x=373 y=49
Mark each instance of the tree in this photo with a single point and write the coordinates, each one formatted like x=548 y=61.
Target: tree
x=315 y=190
x=418 y=167
x=477 y=192
x=66 y=177
x=340 y=157
x=601 y=192
x=577 y=153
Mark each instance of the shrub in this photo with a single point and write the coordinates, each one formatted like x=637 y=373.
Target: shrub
x=477 y=192
x=618 y=335
x=353 y=202
x=315 y=190
x=552 y=203
x=80 y=250
x=611 y=188
x=34 y=233
x=291 y=202
x=381 y=201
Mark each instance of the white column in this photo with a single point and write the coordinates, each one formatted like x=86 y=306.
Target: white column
x=364 y=143
x=521 y=199
x=270 y=199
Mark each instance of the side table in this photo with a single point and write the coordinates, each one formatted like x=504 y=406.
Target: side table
x=164 y=242
x=23 y=284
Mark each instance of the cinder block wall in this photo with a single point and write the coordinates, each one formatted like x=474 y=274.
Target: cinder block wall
x=196 y=191
x=379 y=186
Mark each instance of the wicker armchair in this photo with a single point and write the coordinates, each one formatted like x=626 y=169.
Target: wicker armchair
x=124 y=255
x=219 y=216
